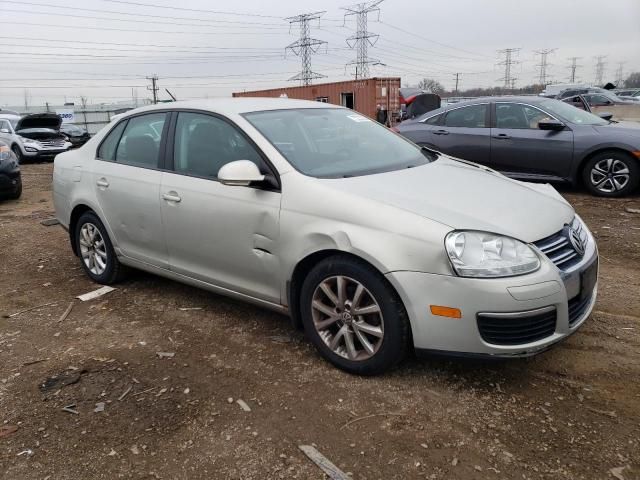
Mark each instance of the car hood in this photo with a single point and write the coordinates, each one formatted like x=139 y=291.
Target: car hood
x=467 y=196
x=39 y=120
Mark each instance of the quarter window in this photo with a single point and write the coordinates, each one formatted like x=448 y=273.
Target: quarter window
x=140 y=142
x=473 y=116
x=515 y=115
x=107 y=150
x=204 y=144
x=433 y=120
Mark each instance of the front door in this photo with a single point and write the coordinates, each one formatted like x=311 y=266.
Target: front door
x=126 y=180
x=464 y=133
x=223 y=235
x=520 y=148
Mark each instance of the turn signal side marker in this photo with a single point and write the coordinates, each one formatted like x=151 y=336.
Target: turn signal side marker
x=446 y=311
x=637 y=154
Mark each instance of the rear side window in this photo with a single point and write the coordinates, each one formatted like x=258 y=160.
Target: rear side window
x=433 y=120
x=107 y=150
x=473 y=116
x=139 y=144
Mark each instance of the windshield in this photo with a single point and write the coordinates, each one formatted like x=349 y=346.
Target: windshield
x=335 y=142
x=571 y=114
x=71 y=128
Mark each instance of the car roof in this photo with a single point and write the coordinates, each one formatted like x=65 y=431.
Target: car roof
x=531 y=99
x=9 y=116
x=234 y=106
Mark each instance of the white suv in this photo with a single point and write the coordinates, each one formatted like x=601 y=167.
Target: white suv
x=34 y=137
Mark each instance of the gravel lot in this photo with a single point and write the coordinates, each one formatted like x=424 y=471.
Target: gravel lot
x=570 y=413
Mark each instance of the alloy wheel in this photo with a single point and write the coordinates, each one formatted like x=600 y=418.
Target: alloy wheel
x=347 y=318
x=93 y=249
x=610 y=175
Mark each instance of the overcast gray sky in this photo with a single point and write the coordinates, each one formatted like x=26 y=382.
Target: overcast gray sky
x=103 y=49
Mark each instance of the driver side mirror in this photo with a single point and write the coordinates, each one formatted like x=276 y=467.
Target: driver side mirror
x=240 y=173
x=4 y=130
x=605 y=115
x=550 y=125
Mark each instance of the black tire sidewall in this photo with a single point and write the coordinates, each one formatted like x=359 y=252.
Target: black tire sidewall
x=110 y=273
x=396 y=330
x=634 y=173
x=18 y=153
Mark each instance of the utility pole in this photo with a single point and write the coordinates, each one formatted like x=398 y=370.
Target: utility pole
x=363 y=39
x=619 y=74
x=154 y=87
x=305 y=46
x=573 y=67
x=457 y=79
x=600 y=63
x=544 y=64
x=508 y=80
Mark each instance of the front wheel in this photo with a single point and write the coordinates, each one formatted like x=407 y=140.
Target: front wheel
x=354 y=317
x=611 y=174
x=18 y=153
x=95 y=250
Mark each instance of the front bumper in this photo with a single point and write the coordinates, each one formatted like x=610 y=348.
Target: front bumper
x=533 y=296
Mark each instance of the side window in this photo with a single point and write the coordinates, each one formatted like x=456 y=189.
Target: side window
x=433 y=120
x=599 y=100
x=107 y=150
x=140 y=141
x=514 y=115
x=473 y=116
x=204 y=144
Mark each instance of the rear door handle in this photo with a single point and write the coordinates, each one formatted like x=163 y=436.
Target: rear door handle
x=172 y=197
x=102 y=183
x=441 y=132
x=502 y=136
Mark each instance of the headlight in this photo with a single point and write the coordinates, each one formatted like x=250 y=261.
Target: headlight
x=27 y=140
x=487 y=255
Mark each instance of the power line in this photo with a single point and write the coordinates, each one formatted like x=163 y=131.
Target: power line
x=573 y=67
x=305 y=46
x=457 y=80
x=184 y=9
x=508 y=62
x=362 y=39
x=600 y=63
x=544 y=64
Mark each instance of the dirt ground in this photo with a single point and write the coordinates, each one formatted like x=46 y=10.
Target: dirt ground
x=570 y=413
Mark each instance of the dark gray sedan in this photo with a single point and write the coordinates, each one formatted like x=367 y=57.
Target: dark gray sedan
x=534 y=138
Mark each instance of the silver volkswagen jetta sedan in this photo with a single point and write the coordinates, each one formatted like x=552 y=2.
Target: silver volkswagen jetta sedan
x=370 y=243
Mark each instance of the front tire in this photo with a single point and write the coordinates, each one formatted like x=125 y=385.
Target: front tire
x=95 y=250
x=17 y=193
x=18 y=153
x=354 y=317
x=611 y=174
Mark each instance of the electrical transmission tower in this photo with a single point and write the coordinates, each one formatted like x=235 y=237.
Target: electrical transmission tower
x=363 y=38
x=619 y=74
x=544 y=64
x=509 y=54
x=600 y=63
x=154 y=87
x=305 y=46
x=573 y=67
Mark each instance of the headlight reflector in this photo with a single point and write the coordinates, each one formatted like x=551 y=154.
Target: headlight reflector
x=487 y=255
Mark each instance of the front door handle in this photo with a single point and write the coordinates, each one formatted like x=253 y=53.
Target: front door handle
x=502 y=136
x=441 y=132
x=102 y=183
x=172 y=197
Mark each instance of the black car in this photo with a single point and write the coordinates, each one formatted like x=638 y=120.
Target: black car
x=535 y=138
x=77 y=135
x=10 y=180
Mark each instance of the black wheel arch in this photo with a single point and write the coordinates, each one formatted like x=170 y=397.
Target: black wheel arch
x=76 y=213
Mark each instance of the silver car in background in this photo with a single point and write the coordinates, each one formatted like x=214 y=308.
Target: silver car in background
x=373 y=245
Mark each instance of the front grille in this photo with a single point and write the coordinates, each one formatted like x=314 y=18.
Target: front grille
x=559 y=247
x=52 y=143
x=577 y=308
x=516 y=330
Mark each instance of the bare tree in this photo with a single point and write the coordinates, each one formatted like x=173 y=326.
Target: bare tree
x=430 y=85
x=633 y=80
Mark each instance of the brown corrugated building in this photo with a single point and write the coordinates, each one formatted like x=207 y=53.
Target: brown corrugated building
x=362 y=95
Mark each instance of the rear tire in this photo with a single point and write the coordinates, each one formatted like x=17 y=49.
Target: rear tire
x=97 y=256
x=354 y=317
x=611 y=174
x=16 y=195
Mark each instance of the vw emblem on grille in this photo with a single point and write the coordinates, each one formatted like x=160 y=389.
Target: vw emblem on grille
x=576 y=241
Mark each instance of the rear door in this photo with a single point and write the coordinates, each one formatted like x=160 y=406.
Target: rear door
x=464 y=133
x=520 y=148
x=127 y=178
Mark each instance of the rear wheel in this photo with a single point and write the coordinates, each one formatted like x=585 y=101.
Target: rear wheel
x=611 y=174
x=354 y=317
x=95 y=250
x=18 y=153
